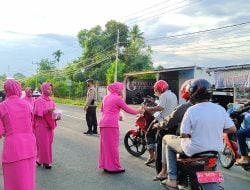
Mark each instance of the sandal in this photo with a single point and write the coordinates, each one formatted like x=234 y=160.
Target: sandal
x=149 y=161
x=241 y=162
x=170 y=187
x=159 y=178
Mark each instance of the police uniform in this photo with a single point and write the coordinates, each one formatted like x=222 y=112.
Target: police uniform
x=91 y=110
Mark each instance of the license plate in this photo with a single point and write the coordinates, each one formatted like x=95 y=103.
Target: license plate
x=210 y=177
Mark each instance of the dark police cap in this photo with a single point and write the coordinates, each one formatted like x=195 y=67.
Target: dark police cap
x=90 y=80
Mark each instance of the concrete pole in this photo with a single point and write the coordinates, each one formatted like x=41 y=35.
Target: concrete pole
x=117 y=53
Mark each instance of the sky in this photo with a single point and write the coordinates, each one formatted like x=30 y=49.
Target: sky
x=207 y=33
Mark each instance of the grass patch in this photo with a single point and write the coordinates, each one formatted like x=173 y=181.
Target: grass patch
x=77 y=102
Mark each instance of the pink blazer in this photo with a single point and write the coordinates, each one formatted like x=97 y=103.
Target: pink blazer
x=16 y=128
x=111 y=106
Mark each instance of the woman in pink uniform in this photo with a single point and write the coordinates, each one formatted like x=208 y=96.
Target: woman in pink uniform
x=44 y=126
x=19 y=146
x=28 y=96
x=109 y=128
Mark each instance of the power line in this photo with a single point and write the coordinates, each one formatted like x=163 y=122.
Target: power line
x=142 y=10
x=166 y=12
x=201 y=31
x=147 y=14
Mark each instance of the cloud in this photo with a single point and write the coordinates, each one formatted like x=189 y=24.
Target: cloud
x=33 y=48
x=35 y=29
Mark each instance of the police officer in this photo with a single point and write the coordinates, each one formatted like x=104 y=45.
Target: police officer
x=90 y=108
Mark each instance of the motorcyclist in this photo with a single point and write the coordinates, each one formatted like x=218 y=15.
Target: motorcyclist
x=167 y=103
x=242 y=135
x=201 y=130
x=170 y=125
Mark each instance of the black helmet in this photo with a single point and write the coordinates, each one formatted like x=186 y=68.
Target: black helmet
x=200 y=89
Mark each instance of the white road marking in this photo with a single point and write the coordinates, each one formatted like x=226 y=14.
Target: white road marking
x=74 y=117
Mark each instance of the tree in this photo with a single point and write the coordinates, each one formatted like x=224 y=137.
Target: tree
x=111 y=72
x=45 y=65
x=57 y=55
x=18 y=76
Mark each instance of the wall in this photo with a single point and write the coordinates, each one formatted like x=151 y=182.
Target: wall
x=183 y=76
x=136 y=90
x=203 y=73
x=101 y=92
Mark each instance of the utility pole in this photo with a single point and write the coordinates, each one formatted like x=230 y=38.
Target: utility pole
x=117 y=53
x=36 y=89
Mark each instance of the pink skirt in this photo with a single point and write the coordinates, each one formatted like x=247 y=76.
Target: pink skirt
x=44 y=140
x=20 y=175
x=109 y=158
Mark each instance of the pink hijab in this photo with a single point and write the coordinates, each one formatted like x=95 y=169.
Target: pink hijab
x=116 y=88
x=28 y=91
x=12 y=87
x=44 y=87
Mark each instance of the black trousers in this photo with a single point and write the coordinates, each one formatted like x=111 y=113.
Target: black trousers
x=91 y=119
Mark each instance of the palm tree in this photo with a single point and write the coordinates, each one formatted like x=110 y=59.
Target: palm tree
x=136 y=38
x=57 y=55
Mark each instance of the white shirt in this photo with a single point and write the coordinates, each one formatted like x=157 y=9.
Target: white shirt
x=168 y=101
x=205 y=123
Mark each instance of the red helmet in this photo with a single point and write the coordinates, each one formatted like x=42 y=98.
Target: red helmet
x=185 y=89
x=161 y=86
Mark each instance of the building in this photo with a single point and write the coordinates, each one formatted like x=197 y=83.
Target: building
x=136 y=89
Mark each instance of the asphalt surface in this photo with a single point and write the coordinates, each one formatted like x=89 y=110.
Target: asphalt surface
x=76 y=157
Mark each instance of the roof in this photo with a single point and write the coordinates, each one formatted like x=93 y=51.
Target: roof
x=231 y=67
x=160 y=71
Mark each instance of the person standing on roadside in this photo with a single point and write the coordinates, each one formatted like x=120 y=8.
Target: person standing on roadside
x=44 y=125
x=90 y=108
x=109 y=159
x=19 y=146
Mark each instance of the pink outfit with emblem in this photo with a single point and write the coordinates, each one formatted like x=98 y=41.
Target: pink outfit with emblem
x=44 y=125
x=109 y=127
x=19 y=146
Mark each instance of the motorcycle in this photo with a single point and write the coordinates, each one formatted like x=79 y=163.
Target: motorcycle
x=199 y=172
x=230 y=152
x=134 y=139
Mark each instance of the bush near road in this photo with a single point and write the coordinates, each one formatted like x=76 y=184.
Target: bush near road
x=77 y=102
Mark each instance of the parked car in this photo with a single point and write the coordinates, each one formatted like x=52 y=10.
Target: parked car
x=36 y=94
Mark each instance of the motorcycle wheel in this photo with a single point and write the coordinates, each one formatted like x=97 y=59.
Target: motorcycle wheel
x=135 y=145
x=226 y=157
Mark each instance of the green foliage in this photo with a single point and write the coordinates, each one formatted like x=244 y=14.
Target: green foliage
x=18 y=76
x=60 y=88
x=30 y=82
x=77 y=102
x=45 y=65
x=111 y=72
x=97 y=60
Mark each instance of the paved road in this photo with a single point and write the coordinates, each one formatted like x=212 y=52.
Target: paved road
x=76 y=156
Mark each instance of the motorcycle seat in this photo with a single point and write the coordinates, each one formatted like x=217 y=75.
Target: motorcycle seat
x=206 y=154
x=201 y=156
